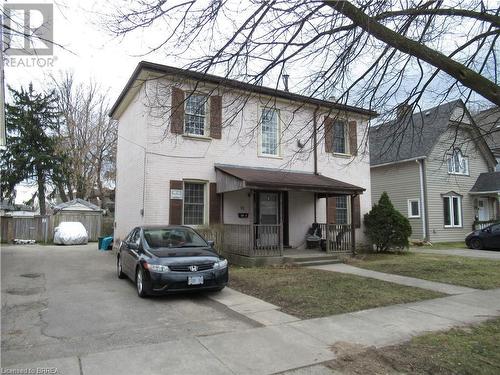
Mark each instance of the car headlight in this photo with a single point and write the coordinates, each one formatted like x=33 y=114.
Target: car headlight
x=220 y=264
x=157 y=268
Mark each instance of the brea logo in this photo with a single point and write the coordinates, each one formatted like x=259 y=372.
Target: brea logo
x=28 y=29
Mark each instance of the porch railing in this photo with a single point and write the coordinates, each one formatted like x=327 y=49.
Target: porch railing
x=268 y=239
x=253 y=240
x=483 y=224
x=338 y=237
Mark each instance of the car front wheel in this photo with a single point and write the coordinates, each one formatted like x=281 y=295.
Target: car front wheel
x=119 y=269
x=476 y=243
x=139 y=282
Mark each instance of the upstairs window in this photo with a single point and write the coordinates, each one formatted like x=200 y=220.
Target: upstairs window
x=269 y=142
x=339 y=137
x=458 y=163
x=195 y=118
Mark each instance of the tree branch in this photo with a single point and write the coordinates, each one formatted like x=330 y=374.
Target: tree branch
x=466 y=76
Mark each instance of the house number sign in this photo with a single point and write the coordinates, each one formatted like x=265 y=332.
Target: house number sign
x=176 y=194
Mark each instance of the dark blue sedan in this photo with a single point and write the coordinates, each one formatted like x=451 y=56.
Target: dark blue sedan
x=486 y=238
x=165 y=259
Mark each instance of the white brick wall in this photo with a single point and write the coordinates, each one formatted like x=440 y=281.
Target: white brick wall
x=174 y=157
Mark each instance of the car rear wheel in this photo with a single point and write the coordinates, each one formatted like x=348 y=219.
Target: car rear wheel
x=476 y=243
x=139 y=282
x=119 y=269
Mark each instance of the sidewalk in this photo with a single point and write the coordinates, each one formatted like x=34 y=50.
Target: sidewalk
x=481 y=254
x=282 y=347
x=403 y=280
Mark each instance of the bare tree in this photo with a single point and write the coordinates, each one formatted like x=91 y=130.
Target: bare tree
x=88 y=139
x=375 y=54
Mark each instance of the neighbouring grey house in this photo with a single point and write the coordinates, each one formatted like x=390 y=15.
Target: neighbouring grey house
x=436 y=168
x=489 y=123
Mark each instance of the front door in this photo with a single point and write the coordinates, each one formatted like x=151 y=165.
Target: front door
x=482 y=209
x=268 y=208
x=268 y=232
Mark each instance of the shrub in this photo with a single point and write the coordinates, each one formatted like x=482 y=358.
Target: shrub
x=386 y=227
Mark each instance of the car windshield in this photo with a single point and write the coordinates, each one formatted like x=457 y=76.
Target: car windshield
x=173 y=237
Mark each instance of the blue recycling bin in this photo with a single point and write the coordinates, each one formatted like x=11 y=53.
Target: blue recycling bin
x=106 y=243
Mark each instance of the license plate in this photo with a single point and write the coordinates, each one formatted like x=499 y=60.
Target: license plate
x=195 y=280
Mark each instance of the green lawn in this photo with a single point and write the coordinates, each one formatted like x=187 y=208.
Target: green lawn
x=309 y=293
x=473 y=273
x=470 y=351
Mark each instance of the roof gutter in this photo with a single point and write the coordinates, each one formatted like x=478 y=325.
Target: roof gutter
x=399 y=161
x=227 y=82
x=484 y=192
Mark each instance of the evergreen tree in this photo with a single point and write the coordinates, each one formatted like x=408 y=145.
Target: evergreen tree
x=32 y=121
x=386 y=227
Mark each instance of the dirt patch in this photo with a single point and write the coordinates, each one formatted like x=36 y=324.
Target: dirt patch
x=472 y=350
x=24 y=291
x=388 y=360
x=31 y=275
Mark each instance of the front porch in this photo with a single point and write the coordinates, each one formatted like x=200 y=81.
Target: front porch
x=267 y=213
x=266 y=240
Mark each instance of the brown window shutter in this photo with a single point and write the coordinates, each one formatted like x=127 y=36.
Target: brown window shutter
x=353 y=138
x=214 y=204
x=175 y=214
x=356 y=220
x=331 y=210
x=328 y=134
x=177 y=111
x=216 y=117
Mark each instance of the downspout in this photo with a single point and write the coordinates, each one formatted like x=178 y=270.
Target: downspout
x=315 y=141
x=315 y=156
x=423 y=194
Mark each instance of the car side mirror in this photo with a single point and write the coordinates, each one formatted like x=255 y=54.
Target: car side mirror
x=211 y=243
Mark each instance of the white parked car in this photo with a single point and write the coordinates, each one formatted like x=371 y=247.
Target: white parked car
x=70 y=233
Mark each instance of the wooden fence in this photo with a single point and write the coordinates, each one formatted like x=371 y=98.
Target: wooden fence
x=41 y=228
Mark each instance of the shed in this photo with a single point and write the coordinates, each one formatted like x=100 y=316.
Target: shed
x=82 y=211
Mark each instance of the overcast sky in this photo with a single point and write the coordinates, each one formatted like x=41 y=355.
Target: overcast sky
x=92 y=52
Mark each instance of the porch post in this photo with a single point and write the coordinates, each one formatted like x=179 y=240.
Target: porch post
x=353 y=230
x=280 y=205
x=251 y=219
x=327 y=236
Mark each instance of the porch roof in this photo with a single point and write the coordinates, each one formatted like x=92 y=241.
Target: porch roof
x=232 y=178
x=487 y=183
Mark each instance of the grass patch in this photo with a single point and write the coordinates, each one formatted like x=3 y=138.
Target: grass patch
x=472 y=350
x=308 y=293
x=470 y=272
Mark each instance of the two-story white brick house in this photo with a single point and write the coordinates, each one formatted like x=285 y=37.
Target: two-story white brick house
x=264 y=164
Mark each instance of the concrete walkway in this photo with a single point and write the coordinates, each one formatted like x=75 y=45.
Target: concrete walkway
x=253 y=308
x=482 y=254
x=280 y=348
x=403 y=280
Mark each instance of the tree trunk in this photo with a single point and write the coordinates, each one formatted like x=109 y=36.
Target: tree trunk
x=40 y=175
x=70 y=191
x=62 y=193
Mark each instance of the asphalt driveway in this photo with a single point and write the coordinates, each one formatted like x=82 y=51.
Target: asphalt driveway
x=67 y=301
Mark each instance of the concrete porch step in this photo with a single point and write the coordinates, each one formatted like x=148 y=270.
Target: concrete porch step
x=317 y=262
x=312 y=260
x=307 y=258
